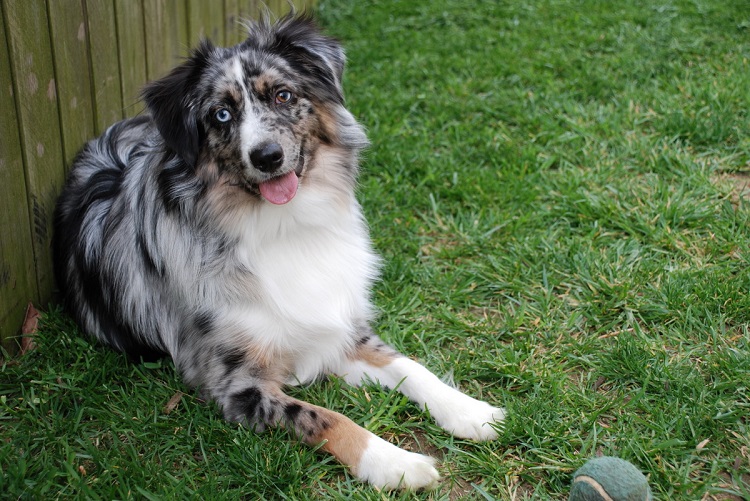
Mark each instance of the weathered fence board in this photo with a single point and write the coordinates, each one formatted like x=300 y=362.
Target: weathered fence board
x=205 y=20
x=166 y=34
x=132 y=53
x=35 y=92
x=69 y=69
x=105 y=67
x=232 y=28
x=70 y=50
x=17 y=277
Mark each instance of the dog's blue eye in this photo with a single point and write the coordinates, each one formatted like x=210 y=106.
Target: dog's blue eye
x=223 y=115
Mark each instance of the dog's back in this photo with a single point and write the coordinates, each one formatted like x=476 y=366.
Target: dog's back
x=93 y=209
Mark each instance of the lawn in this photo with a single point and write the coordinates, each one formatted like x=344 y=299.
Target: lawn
x=561 y=193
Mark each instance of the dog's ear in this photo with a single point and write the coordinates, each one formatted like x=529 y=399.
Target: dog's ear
x=319 y=57
x=172 y=103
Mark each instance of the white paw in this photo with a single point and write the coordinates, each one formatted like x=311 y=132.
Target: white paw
x=385 y=465
x=466 y=417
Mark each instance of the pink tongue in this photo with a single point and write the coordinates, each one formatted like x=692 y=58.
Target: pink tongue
x=280 y=190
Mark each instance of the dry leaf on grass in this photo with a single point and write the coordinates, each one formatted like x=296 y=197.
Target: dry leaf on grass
x=29 y=329
x=173 y=403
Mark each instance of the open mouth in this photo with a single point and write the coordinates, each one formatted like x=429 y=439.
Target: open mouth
x=280 y=189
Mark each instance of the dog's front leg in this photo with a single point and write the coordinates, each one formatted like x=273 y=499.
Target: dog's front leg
x=369 y=457
x=455 y=412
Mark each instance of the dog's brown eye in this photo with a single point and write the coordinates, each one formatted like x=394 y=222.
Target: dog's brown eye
x=283 y=97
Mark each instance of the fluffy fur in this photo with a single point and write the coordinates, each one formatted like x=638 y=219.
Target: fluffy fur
x=222 y=229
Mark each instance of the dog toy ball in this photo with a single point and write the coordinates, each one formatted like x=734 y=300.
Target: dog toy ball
x=609 y=479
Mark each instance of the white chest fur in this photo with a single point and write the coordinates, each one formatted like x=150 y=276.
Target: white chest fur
x=314 y=267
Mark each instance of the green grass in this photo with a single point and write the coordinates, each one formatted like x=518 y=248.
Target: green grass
x=559 y=189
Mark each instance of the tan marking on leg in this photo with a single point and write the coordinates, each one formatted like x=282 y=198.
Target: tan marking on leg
x=345 y=439
x=374 y=357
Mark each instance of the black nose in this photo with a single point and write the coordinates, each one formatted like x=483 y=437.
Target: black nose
x=267 y=157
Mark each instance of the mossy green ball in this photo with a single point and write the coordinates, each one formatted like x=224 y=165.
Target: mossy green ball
x=609 y=479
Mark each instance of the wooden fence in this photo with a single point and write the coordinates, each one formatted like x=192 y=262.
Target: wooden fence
x=68 y=69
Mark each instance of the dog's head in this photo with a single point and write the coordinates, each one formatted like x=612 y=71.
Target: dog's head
x=254 y=114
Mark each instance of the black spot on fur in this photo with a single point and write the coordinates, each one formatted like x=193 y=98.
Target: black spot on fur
x=291 y=411
x=363 y=340
x=232 y=360
x=204 y=322
x=248 y=403
x=177 y=183
x=122 y=337
x=146 y=256
x=222 y=246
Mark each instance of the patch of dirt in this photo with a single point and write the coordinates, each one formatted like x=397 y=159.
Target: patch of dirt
x=729 y=485
x=452 y=487
x=416 y=442
x=739 y=185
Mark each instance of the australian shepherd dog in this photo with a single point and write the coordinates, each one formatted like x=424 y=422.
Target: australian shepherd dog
x=221 y=228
